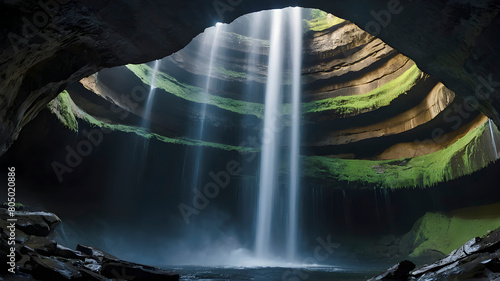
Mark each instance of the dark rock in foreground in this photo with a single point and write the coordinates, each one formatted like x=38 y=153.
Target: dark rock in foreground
x=37 y=257
x=400 y=271
x=478 y=259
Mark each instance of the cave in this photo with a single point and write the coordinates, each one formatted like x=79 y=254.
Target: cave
x=230 y=140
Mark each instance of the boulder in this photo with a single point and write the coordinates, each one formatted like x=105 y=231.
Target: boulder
x=95 y=253
x=50 y=269
x=470 y=268
x=472 y=246
x=32 y=223
x=400 y=271
x=64 y=252
x=40 y=258
x=478 y=259
x=41 y=245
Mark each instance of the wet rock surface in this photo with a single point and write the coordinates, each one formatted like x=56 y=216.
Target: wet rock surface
x=478 y=259
x=40 y=258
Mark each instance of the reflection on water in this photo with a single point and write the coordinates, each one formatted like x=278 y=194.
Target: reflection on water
x=312 y=273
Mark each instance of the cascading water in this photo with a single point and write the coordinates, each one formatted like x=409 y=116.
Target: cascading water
x=270 y=216
x=146 y=123
x=151 y=95
x=247 y=200
x=198 y=155
x=293 y=205
x=270 y=145
x=493 y=139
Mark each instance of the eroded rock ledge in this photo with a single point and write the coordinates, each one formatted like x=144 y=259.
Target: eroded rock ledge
x=450 y=40
x=40 y=258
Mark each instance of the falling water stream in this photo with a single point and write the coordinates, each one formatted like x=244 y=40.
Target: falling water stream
x=211 y=41
x=146 y=123
x=277 y=209
x=151 y=96
x=293 y=206
x=493 y=139
x=270 y=145
x=269 y=216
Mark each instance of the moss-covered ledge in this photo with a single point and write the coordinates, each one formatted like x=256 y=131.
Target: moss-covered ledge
x=320 y=20
x=343 y=106
x=68 y=112
x=195 y=94
x=61 y=106
x=465 y=156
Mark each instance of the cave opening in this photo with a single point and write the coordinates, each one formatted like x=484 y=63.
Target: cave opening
x=260 y=142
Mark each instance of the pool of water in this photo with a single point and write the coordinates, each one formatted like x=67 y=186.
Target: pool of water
x=263 y=273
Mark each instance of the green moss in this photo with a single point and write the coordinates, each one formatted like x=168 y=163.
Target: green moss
x=61 y=106
x=321 y=20
x=230 y=73
x=67 y=112
x=17 y=206
x=148 y=135
x=381 y=96
x=423 y=171
x=241 y=39
x=195 y=94
x=447 y=232
x=344 y=105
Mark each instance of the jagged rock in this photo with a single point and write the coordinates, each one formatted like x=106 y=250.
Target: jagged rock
x=472 y=246
x=478 y=259
x=41 y=245
x=95 y=253
x=400 y=271
x=136 y=272
x=44 y=259
x=21 y=237
x=53 y=270
x=32 y=223
x=470 y=268
x=93 y=267
x=64 y=252
x=492 y=265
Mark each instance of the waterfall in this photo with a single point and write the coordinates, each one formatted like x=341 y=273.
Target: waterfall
x=151 y=95
x=278 y=211
x=212 y=41
x=146 y=116
x=208 y=83
x=248 y=202
x=493 y=139
x=270 y=145
x=293 y=206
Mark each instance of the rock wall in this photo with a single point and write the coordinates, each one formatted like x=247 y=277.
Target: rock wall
x=362 y=100
x=69 y=40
